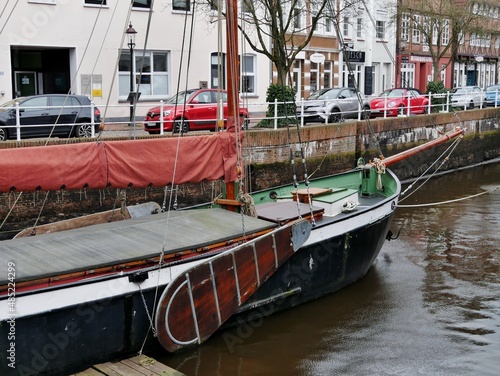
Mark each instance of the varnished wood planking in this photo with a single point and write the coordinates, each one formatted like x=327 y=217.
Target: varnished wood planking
x=140 y=365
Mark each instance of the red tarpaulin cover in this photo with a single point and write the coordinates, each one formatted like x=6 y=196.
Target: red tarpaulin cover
x=141 y=163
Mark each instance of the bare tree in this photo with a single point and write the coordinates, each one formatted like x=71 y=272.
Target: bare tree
x=441 y=24
x=280 y=29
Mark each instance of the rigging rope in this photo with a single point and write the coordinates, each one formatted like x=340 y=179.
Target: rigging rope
x=450 y=148
x=449 y=201
x=10 y=14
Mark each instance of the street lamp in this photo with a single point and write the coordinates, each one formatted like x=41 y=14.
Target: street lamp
x=131 y=44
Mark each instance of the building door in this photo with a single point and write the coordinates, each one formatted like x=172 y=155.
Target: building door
x=25 y=84
x=297 y=82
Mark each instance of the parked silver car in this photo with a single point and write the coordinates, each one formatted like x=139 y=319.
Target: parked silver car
x=467 y=97
x=332 y=105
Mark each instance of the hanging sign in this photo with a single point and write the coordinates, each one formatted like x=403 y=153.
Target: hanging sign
x=317 y=58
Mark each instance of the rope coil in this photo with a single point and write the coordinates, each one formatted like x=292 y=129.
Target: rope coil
x=380 y=168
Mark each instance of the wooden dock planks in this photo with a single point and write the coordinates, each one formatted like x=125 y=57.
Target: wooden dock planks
x=140 y=365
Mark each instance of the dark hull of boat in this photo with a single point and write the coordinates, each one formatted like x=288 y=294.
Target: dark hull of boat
x=316 y=271
x=73 y=338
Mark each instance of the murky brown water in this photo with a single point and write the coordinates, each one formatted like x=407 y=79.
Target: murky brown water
x=429 y=306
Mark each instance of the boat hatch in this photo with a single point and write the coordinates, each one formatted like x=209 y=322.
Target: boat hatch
x=336 y=202
x=286 y=211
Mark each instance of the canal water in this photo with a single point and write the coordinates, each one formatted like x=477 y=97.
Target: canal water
x=430 y=305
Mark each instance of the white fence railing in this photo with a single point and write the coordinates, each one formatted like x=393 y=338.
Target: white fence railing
x=444 y=102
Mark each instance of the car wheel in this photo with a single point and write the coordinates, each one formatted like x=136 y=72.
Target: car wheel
x=83 y=130
x=401 y=110
x=3 y=134
x=181 y=123
x=154 y=132
x=471 y=105
x=366 y=113
x=334 y=116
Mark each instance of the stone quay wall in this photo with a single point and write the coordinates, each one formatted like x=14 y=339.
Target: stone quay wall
x=317 y=150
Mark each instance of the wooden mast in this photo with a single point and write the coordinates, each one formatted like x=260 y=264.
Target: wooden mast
x=233 y=79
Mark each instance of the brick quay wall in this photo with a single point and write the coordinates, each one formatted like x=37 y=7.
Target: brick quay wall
x=326 y=149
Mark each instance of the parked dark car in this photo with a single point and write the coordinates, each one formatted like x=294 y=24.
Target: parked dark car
x=193 y=110
x=493 y=95
x=49 y=115
x=397 y=101
x=332 y=105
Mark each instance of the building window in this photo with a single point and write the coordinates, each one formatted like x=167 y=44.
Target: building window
x=248 y=74
x=359 y=27
x=328 y=26
x=217 y=68
x=408 y=75
x=445 y=38
x=150 y=74
x=416 y=29
x=246 y=6
x=443 y=73
x=317 y=28
x=314 y=85
x=405 y=27
x=297 y=24
x=351 y=78
x=327 y=74
x=96 y=2
x=141 y=4
x=183 y=5
x=346 y=26
x=380 y=30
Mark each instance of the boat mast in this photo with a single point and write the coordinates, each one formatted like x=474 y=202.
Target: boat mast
x=233 y=79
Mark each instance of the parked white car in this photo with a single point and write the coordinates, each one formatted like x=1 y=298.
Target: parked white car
x=332 y=105
x=467 y=97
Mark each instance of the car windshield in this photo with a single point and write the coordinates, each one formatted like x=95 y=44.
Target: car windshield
x=395 y=93
x=459 y=91
x=10 y=104
x=180 y=98
x=324 y=94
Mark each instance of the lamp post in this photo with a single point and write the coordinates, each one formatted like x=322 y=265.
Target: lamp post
x=131 y=44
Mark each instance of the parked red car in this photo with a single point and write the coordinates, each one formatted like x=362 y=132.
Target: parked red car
x=192 y=110
x=394 y=102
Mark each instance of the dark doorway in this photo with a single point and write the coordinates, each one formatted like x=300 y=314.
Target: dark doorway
x=48 y=68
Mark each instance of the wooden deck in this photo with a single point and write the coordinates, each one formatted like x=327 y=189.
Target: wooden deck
x=140 y=365
x=116 y=243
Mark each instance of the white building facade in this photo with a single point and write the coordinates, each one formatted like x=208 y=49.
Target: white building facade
x=80 y=47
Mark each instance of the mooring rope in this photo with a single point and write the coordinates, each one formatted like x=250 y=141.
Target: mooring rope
x=449 y=201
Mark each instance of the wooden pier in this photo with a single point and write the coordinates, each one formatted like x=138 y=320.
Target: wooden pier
x=140 y=365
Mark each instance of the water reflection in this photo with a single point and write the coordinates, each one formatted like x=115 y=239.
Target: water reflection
x=430 y=305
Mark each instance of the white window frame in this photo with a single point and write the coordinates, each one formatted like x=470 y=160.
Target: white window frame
x=445 y=34
x=124 y=76
x=359 y=27
x=380 y=29
x=346 y=30
x=405 y=27
x=416 y=29
x=247 y=72
x=96 y=3
x=141 y=7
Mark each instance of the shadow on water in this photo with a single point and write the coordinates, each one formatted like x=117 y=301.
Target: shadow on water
x=430 y=304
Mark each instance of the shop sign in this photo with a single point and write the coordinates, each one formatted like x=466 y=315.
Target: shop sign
x=356 y=56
